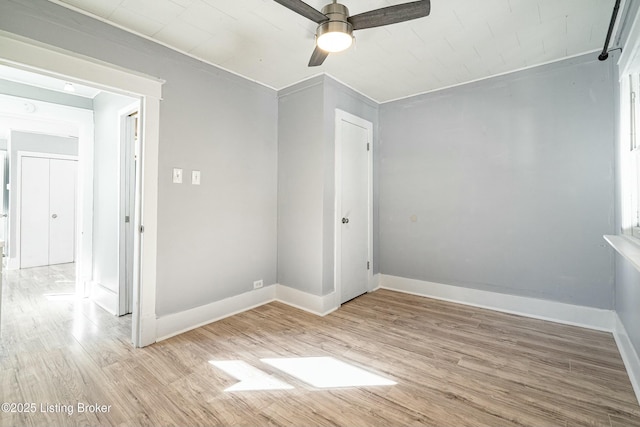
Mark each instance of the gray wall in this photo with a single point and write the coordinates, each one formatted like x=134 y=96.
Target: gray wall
x=300 y=186
x=214 y=240
x=33 y=142
x=106 y=188
x=306 y=179
x=511 y=182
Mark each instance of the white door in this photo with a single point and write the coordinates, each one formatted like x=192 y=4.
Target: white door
x=127 y=233
x=47 y=211
x=62 y=211
x=3 y=185
x=353 y=143
x=34 y=212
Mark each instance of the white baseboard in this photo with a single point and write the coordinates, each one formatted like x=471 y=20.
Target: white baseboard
x=12 y=264
x=629 y=355
x=587 y=317
x=319 y=305
x=183 y=321
x=148 y=330
x=178 y=323
x=375 y=282
x=577 y=315
x=104 y=297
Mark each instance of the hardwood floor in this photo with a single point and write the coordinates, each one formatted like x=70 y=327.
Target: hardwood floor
x=453 y=365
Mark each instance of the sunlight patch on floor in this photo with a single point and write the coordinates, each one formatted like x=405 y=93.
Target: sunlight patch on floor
x=327 y=372
x=319 y=372
x=61 y=297
x=251 y=379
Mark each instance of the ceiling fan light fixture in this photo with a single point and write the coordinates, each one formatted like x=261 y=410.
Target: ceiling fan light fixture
x=336 y=26
x=335 y=42
x=334 y=36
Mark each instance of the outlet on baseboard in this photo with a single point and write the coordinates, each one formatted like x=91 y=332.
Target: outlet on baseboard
x=257 y=284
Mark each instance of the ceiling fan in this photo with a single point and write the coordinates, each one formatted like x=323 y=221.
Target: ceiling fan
x=335 y=26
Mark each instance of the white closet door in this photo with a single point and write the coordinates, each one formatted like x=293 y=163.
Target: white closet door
x=34 y=212
x=355 y=211
x=62 y=210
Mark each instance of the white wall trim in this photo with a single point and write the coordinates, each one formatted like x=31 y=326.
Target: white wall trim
x=104 y=297
x=178 y=323
x=586 y=317
x=629 y=355
x=375 y=282
x=183 y=321
x=318 y=305
x=576 y=315
x=629 y=59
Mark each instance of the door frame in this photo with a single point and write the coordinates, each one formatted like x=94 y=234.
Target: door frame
x=30 y=55
x=341 y=116
x=4 y=200
x=19 y=156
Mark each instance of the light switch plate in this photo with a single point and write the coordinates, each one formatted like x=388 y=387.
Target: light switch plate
x=177 y=176
x=195 y=177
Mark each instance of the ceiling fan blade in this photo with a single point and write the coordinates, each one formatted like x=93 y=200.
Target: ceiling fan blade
x=391 y=15
x=317 y=57
x=304 y=9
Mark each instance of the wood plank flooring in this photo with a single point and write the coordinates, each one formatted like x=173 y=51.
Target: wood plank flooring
x=453 y=365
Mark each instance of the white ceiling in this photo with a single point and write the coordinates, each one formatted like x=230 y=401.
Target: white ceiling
x=461 y=41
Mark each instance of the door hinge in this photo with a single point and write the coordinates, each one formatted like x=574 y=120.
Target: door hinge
x=142 y=229
x=368 y=264
x=127 y=219
x=368 y=146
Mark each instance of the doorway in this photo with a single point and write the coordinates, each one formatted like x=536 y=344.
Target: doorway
x=24 y=54
x=354 y=195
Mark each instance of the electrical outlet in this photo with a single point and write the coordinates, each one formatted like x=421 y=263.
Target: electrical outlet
x=257 y=284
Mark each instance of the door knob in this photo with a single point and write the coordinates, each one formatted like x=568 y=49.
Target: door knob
x=345 y=220
x=54 y=216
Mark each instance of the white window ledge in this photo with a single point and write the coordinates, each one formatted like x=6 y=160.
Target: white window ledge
x=627 y=247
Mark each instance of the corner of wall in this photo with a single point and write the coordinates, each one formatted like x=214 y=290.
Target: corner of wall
x=318 y=305
x=184 y=321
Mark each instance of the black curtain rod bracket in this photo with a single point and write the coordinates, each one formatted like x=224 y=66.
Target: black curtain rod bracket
x=605 y=54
